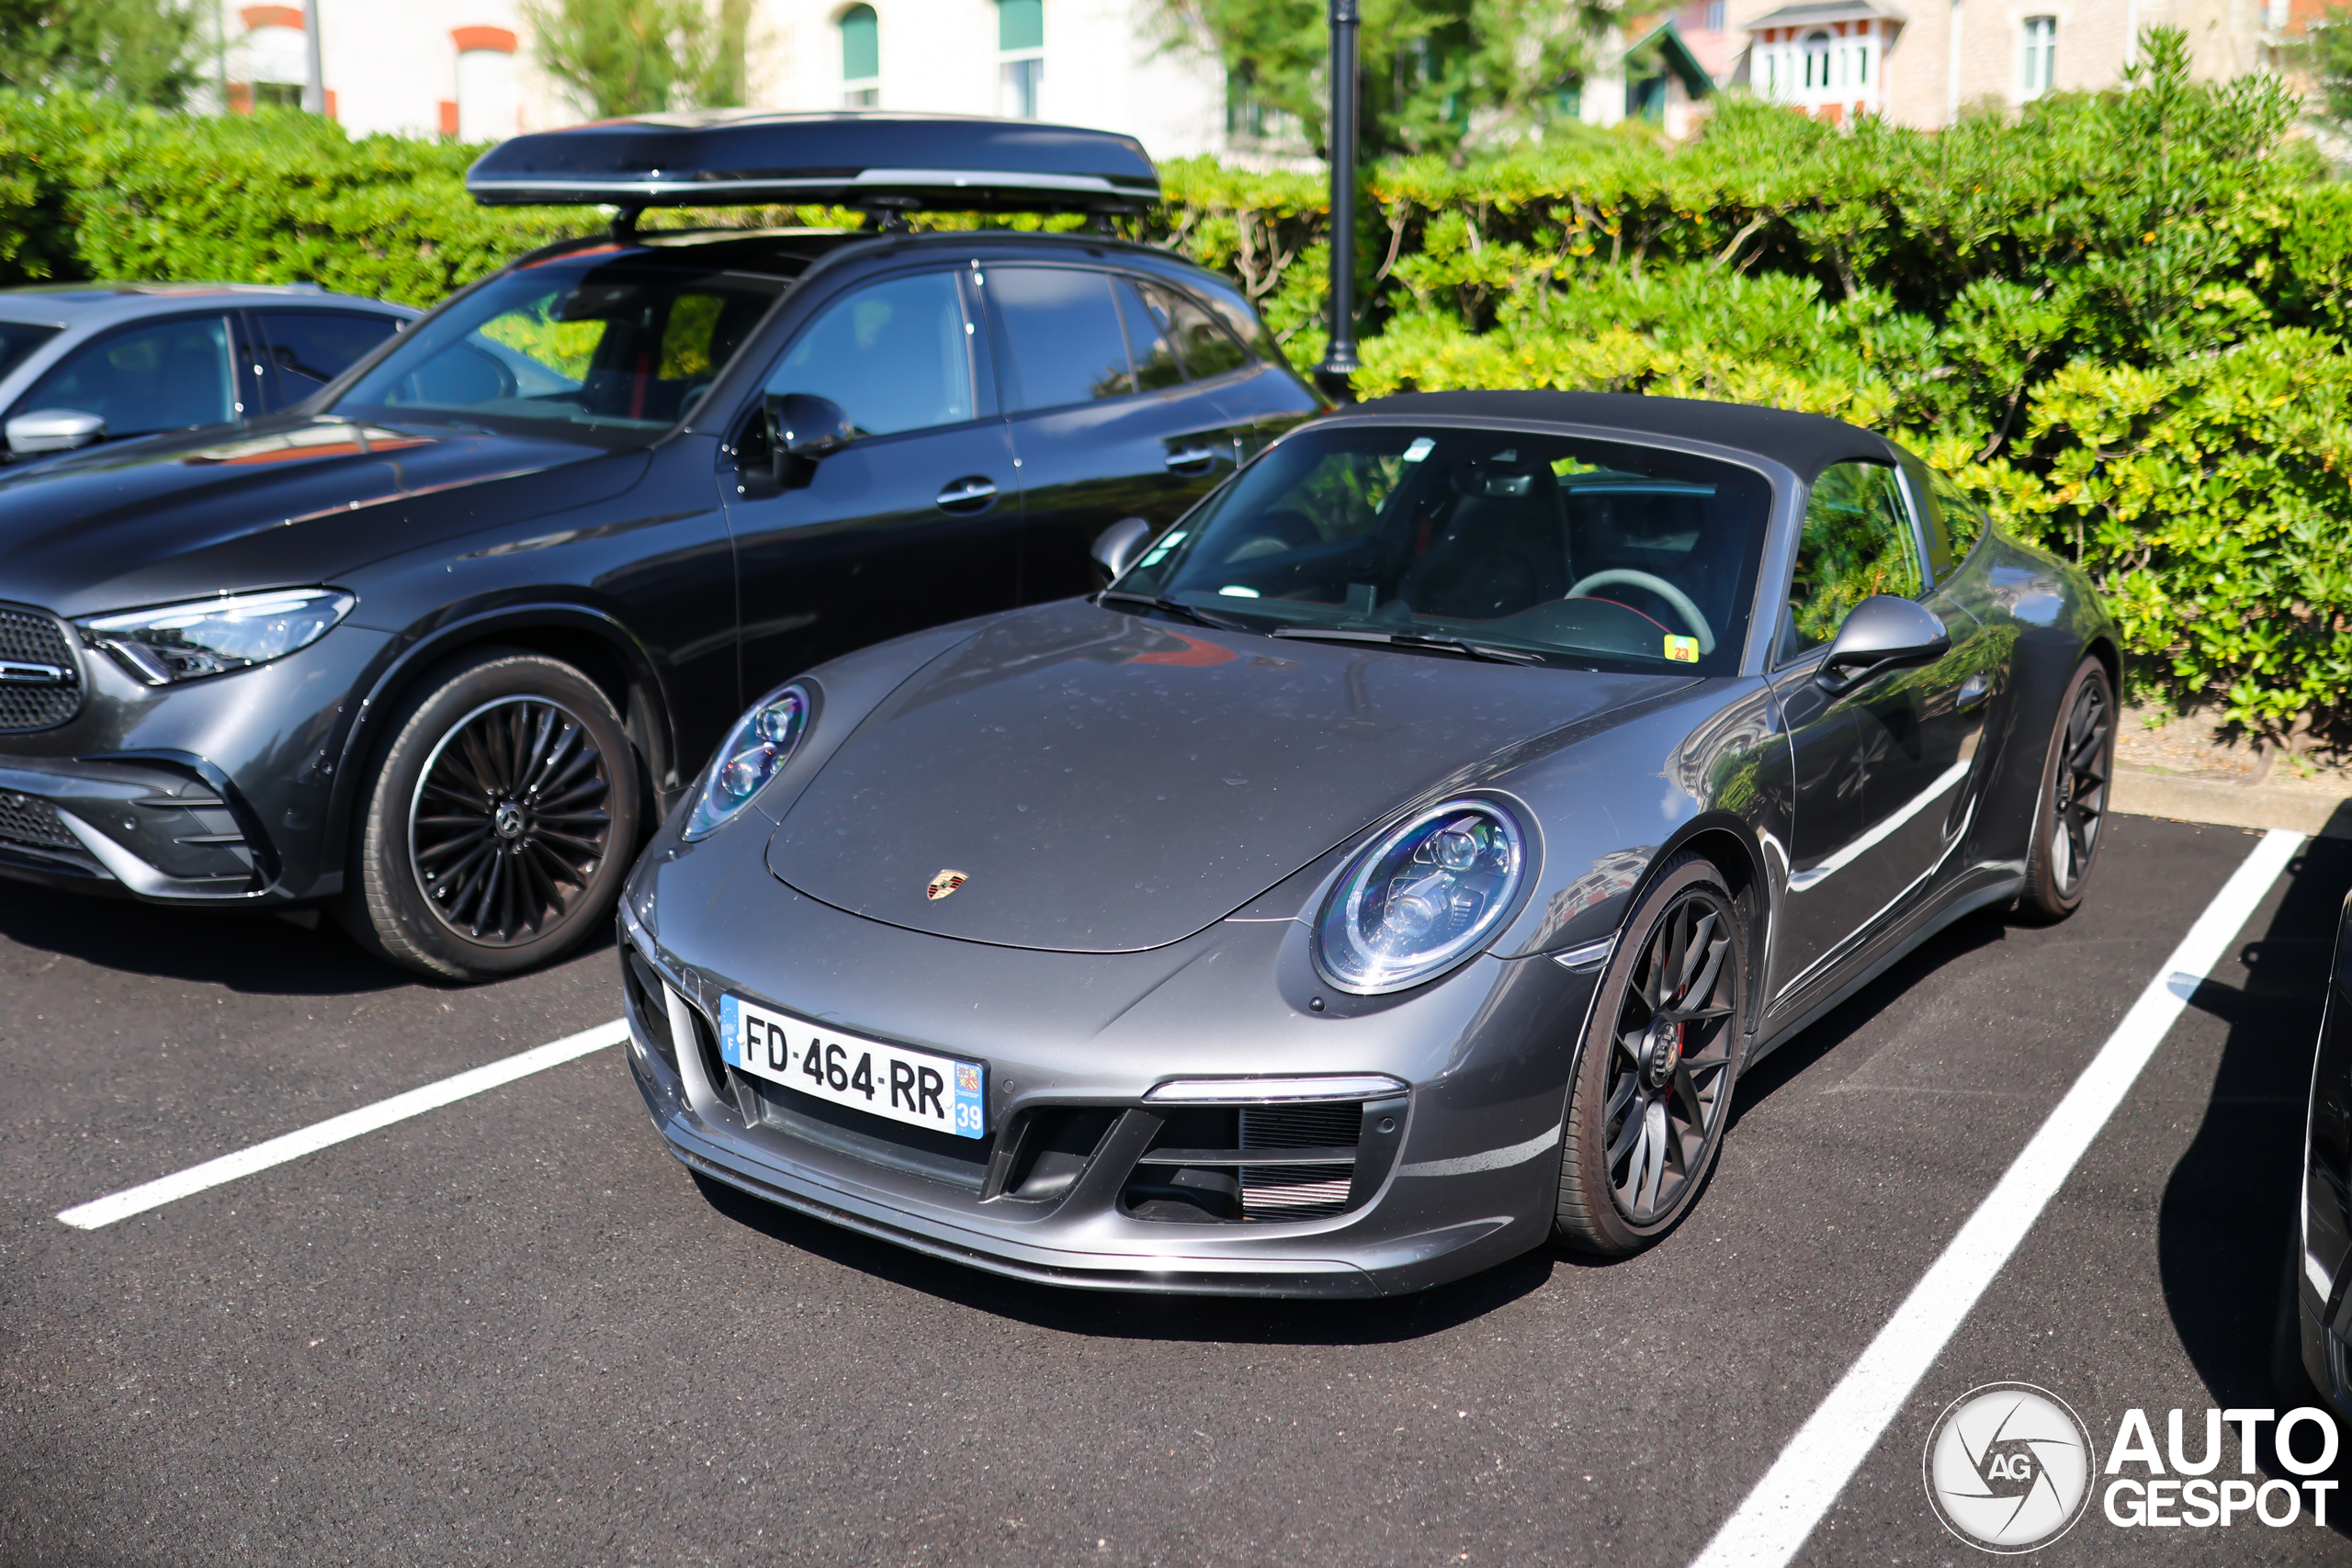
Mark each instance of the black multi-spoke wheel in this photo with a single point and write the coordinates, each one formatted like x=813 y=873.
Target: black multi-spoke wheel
x=1646 y=1112
x=509 y=821
x=2073 y=807
x=499 y=822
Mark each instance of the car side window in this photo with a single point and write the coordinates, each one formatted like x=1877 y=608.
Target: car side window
x=167 y=375
x=1857 y=542
x=1207 y=349
x=896 y=355
x=1062 y=334
x=306 y=349
x=1147 y=315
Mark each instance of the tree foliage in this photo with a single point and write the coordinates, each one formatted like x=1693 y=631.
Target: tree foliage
x=140 y=51
x=1437 y=76
x=619 y=57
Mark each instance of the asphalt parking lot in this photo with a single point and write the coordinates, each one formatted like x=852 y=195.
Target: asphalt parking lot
x=514 y=1330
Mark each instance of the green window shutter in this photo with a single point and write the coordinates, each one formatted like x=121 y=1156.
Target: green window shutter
x=860 y=44
x=1020 y=24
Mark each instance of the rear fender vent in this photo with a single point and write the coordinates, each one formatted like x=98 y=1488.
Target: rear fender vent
x=1264 y=1164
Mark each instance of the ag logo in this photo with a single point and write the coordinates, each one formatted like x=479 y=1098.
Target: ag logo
x=2008 y=1467
x=946 y=881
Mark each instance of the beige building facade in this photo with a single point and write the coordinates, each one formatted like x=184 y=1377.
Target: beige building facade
x=1922 y=63
x=1103 y=63
x=463 y=68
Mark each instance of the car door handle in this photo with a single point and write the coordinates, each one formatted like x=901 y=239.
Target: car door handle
x=1192 y=460
x=967 y=495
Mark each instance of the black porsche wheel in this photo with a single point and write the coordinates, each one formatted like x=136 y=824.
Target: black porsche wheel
x=500 y=821
x=2073 y=802
x=1653 y=1084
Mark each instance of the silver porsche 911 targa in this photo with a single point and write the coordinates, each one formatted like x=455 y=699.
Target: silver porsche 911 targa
x=1391 y=871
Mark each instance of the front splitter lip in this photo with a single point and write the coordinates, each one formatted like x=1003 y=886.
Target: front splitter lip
x=1398 y=1264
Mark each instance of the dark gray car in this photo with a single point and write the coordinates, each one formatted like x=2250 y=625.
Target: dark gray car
x=83 y=362
x=1393 y=871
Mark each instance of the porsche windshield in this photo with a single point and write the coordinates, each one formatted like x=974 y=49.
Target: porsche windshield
x=625 y=350
x=1587 y=552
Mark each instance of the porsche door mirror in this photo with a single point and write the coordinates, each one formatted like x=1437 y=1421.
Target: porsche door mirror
x=1116 y=547
x=1881 y=633
x=53 y=430
x=803 y=430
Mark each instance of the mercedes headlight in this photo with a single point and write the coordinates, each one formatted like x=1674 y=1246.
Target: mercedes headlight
x=754 y=751
x=1426 y=896
x=211 y=636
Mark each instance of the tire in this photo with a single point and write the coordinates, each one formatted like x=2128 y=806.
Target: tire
x=1645 y=1117
x=2070 y=809
x=499 y=822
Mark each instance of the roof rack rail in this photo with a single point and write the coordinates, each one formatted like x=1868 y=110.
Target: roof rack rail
x=879 y=162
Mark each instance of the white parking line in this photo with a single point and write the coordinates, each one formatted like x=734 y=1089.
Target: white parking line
x=336 y=1129
x=1771 y=1525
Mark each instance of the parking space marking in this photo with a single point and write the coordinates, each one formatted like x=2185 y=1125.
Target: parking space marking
x=195 y=1179
x=1771 y=1524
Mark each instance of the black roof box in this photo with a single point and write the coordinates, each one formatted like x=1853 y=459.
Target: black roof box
x=750 y=158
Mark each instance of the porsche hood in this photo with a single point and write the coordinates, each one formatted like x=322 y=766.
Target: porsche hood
x=1102 y=783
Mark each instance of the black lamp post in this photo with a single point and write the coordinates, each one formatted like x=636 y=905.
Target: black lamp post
x=1340 y=358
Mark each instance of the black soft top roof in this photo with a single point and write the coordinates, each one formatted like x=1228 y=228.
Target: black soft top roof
x=1806 y=442
x=738 y=158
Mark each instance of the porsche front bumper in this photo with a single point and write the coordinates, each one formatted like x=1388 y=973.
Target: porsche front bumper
x=1454 y=1170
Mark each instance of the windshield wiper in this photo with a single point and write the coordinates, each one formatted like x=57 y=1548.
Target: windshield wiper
x=1415 y=639
x=1173 y=606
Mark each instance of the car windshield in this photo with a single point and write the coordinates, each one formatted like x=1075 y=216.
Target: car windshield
x=1594 y=553
x=618 y=351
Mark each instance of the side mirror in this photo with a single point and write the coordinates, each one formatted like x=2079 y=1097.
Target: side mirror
x=53 y=430
x=1881 y=633
x=803 y=430
x=1116 y=547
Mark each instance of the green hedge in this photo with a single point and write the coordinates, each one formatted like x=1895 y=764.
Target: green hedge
x=2122 y=318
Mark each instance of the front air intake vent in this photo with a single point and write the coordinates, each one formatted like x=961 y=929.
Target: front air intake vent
x=24 y=820
x=648 y=1007
x=1298 y=1191
x=41 y=677
x=1265 y=1164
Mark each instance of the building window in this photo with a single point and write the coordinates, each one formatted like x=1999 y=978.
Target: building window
x=860 y=58
x=275 y=56
x=2040 y=54
x=488 y=108
x=1021 y=53
x=1816 y=59
x=1715 y=16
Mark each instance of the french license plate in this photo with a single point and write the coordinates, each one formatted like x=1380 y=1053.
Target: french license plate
x=918 y=1088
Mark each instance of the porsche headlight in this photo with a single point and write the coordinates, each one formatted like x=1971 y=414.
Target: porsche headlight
x=754 y=753
x=211 y=636
x=1426 y=896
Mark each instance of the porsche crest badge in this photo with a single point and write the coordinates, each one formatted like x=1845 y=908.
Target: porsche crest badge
x=946 y=881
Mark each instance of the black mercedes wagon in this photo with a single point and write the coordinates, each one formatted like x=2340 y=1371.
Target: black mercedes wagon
x=437 y=646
